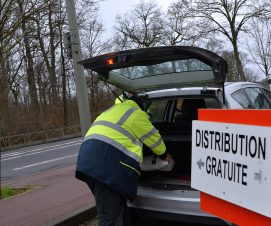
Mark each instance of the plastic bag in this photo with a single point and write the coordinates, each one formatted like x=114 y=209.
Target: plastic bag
x=153 y=163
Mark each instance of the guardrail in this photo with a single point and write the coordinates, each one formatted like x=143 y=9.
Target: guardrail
x=38 y=137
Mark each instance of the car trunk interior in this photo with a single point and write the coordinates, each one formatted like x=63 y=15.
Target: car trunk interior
x=176 y=131
x=178 y=144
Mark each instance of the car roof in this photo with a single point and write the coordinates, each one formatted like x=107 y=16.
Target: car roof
x=197 y=90
x=232 y=86
x=179 y=92
x=242 y=84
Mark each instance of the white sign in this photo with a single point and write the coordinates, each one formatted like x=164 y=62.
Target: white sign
x=233 y=162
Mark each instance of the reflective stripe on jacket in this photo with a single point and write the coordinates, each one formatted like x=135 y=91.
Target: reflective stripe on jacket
x=126 y=127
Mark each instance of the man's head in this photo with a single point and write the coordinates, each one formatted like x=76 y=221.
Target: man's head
x=134 y=97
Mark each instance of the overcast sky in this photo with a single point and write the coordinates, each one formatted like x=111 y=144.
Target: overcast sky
x=109 y=9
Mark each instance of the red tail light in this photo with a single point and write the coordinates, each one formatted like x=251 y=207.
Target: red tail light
x=110 y=61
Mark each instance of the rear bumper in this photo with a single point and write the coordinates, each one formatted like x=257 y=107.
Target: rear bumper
x=137 y=213
x=176 y=205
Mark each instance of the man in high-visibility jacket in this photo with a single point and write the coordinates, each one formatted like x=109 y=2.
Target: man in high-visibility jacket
x=110 y=156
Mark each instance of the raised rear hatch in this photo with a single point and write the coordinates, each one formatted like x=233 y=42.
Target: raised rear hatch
x=148 y=69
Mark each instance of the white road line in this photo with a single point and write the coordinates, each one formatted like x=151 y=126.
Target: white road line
x=11 y=154
x=37 y=152
x=40 y=163
x=39 y=149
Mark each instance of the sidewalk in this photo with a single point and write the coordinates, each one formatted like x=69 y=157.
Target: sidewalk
x=58 y=196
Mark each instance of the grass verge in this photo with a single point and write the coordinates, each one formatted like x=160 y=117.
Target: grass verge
x=9 y=191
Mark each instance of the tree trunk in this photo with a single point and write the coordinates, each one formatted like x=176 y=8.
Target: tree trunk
x=4 y=109
x=64 y=92
x=238 y=61
x=30 y=68
x=63 y=70
x=52 y=69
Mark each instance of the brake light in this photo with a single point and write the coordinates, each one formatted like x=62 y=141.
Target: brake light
x=182 y=177
x=110 y=61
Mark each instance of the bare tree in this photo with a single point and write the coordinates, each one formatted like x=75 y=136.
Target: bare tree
x=92 y=41
x=180 y=27
x=61 y=22
x=10 y=22
x=141 y=27
x=229 y=18
x=33 y=72
x=214 y=44
x=47 y=45
x=29 y=59
x=233 y=73
x=259 y=44
x=94 y=44
x=251 y=75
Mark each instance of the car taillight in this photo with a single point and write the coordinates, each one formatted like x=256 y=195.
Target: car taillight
x=110 y=61
x=182 y=177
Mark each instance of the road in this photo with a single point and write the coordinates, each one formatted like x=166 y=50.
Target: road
x=33 y=159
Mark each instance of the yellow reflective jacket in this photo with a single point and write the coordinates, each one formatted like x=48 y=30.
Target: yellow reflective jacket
x=126 y=127
x=112 y=148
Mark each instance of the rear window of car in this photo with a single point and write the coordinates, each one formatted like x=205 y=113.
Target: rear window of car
x=169 y=67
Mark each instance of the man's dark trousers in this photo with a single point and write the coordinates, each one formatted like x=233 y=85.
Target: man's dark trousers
x=111 y=206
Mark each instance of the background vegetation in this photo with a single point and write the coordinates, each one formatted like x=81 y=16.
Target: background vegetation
x=37 y=89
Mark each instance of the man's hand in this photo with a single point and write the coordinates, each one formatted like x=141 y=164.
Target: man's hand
x=164 y=163
x=168 y=158
x=170 y=165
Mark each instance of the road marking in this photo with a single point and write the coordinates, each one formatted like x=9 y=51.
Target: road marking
x=39 y=149
x=44 y=162
x=37 y=152
x=11 y=154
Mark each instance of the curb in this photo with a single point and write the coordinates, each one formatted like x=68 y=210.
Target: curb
x=77 y=217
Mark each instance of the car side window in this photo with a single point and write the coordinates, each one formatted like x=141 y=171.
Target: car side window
x=257 y=98
x=240 y=97
x=156 y=110
x=268 y=94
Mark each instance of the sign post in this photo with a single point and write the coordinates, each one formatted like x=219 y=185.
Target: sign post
x=80 y=81
x=231 y=164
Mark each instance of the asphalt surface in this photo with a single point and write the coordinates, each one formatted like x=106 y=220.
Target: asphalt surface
x=38 y=158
